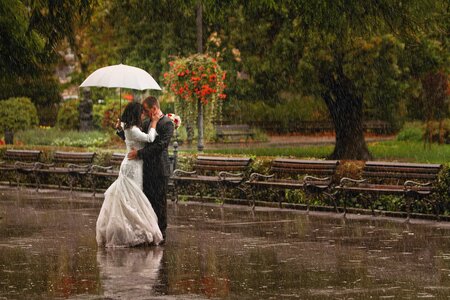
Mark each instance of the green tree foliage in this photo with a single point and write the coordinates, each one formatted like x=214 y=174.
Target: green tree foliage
x=19 y=45
x=363 y=59
x=30 y=34
x=352 y=55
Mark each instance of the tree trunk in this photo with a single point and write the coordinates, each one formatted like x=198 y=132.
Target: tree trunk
x=346 y=112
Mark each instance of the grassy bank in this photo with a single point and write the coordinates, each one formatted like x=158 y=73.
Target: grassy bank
x=389 y=150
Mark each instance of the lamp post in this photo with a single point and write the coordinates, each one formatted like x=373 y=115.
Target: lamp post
x=199 y=50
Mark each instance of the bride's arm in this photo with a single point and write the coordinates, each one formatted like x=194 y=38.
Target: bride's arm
x=138 y=135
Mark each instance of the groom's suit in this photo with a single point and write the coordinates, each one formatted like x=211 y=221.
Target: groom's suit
x=156 y=168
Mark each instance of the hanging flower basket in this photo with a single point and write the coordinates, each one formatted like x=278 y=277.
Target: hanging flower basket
x=197 y=77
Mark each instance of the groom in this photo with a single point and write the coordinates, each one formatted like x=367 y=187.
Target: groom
x=156 y=160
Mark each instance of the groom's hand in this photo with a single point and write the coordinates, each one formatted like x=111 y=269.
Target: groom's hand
x=132 y=154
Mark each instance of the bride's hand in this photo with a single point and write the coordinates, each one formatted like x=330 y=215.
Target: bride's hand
x=117 y=126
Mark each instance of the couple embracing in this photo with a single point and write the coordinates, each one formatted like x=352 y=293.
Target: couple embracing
x=134 y=211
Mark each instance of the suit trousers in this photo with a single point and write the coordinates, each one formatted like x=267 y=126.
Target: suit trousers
x=156 y=192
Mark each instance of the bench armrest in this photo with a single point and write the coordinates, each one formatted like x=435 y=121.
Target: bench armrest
x=39 y=165
x=255 y=176
x=102 y=168
x=224 y=174
x=21 y=164
x=179 y=172
x=415 y=183
x=347 y=179
x=75 y=166
x=308 y=177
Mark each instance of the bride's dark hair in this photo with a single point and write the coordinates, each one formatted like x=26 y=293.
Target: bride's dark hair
x=132 y=115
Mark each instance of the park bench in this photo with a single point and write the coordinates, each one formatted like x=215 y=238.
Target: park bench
x=19 y=162
x=110 y=172
x=377 y=126
x=410 y=180
x=234 y=131
x=71 y=165
x=314 y=177
x=221 y=172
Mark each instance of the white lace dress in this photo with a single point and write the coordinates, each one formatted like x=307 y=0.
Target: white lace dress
x=127 y=218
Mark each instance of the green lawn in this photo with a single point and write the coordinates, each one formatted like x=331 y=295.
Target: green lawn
x=410 y=151
x=389 y=150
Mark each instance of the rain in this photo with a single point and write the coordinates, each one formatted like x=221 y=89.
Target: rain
x=289 y=88
x=48 y=250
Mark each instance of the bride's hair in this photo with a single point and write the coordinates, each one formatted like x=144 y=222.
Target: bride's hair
x=132 y=115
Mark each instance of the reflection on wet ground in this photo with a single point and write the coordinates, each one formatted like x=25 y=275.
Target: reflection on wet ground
x=48 y=250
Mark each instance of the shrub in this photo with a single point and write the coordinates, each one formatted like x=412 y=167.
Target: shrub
x=416 y=131
x=279 y=117
x=68 y=115
x=104 y=115
x=440 y=132
x=17 y=114
x=411 y=131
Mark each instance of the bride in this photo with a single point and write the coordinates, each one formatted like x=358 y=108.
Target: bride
x=127 y=218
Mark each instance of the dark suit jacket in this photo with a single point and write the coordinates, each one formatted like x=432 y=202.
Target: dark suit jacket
x=156 y=155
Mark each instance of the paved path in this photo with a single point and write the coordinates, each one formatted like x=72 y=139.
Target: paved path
x=48 y=251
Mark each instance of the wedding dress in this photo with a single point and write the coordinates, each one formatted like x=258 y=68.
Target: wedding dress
x=127 y=218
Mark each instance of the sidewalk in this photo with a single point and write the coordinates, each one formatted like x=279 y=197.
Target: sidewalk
x=281 y=141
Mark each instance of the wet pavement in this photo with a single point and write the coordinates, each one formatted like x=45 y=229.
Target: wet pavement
x=48 y=251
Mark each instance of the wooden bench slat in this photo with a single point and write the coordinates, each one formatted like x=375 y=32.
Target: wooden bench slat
x=305 y=171
x=73 y=157
x=405 y=170
x=22 y=155
x=220 y=168
x=305 y=161
x=219 y=165
x=402 y=165
x=221 y=158
x=279 y=166
x=399 y=175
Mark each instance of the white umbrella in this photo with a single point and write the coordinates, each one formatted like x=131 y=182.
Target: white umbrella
x=121 y=76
